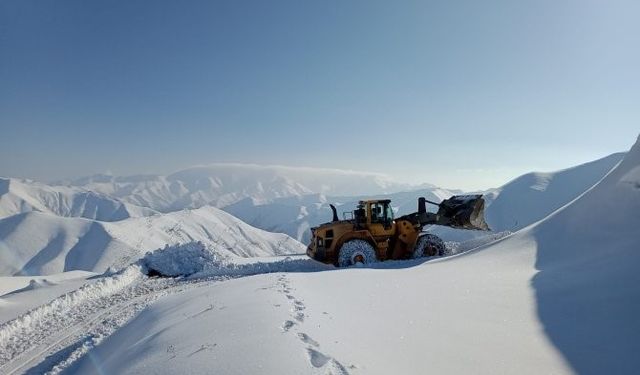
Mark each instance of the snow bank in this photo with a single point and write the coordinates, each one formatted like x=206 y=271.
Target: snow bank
x=179 y=260
x=197 y=260
x=62 y=307
x=19 y=294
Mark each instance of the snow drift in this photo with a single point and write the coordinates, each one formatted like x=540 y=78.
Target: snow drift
x=535 y=195
x=197 y=260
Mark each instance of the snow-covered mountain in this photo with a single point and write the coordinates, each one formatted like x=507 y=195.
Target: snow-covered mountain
x=19 y=196
x=36 y=243
x=224 y=184
x=285 y=199
x=560 y=296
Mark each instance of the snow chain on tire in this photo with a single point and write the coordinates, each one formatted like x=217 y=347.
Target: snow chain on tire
x=356 y=248
x=430 y=241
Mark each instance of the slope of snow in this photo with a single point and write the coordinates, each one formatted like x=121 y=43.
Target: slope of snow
x=224 y=184
x=560 y=296
x=533 y=196
x=588 y=287
x=36 y=243
x=20 y=196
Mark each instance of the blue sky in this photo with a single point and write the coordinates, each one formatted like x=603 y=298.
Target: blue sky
x=463 y=94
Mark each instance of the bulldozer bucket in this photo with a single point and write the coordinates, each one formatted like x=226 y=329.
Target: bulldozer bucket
x=463 y=211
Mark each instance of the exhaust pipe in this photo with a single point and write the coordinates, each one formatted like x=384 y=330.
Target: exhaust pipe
x=335 y=213
x=422 y=205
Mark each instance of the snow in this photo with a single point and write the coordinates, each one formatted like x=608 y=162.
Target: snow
x=20 y=294
x=286 y=199
x=559 y=296
x=197 y=260
x=533 y=196
x=37 y=243
x=242 y=326
x=20 y=196
x=223 y=184
x=513 y=206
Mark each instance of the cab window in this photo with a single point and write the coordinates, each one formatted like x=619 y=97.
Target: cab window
x=381 y=212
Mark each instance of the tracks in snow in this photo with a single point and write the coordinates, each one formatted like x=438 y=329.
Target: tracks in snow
x=53 y=336
x=320 y=362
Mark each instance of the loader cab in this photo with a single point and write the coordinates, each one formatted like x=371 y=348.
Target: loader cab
x=375 y=214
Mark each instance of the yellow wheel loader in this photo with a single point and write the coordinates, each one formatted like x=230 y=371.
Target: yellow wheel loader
x=372 y=234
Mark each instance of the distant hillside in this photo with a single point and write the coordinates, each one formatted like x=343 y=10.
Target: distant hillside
x=223 y=184
x=19 y=196
x=36 y=243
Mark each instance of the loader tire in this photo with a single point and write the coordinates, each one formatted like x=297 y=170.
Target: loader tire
x=356 y=251
x=429 y=245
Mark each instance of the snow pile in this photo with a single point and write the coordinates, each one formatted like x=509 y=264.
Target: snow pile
x=179 y=260
x=197 y=260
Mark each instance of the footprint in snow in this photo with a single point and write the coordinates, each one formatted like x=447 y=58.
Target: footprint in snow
x=316 y=358
x=298 y=306
x=307 y=340
x=330 y=365
x=286 y=326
